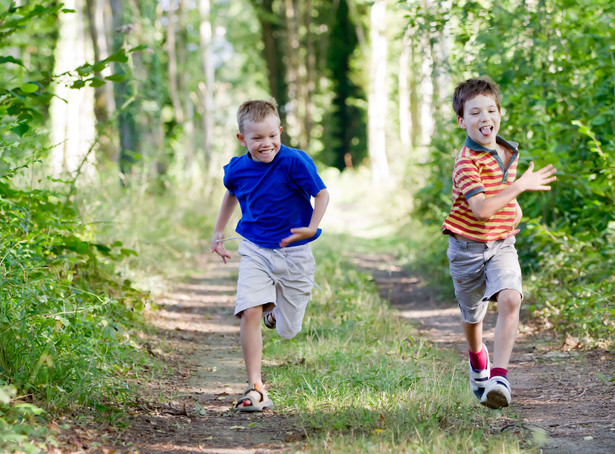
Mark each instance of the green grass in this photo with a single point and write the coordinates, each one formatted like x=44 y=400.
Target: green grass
x=360 y=380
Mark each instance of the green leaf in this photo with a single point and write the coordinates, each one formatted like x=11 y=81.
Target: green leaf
x=117 y=77
x=96 y=82
x=98 y=67
x=21 y=129
x=118 y=57
x=138 y=48
x=78 y=84
x=84 y=70
x=11 y=60
x=29 y=88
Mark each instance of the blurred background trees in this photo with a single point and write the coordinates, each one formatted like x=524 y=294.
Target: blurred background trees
x=143 y=94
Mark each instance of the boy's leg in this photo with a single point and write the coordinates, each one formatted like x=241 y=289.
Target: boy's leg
x=504 y=282
x=255 y=288
x=509 y=305
x=254 y=398
x=474 y=335
x=504 y=285
x=466 y=261
x=252 y=343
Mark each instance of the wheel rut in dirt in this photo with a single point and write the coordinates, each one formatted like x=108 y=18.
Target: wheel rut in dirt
x=563 y=397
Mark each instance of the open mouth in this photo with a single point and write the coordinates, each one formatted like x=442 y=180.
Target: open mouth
x=486 y=130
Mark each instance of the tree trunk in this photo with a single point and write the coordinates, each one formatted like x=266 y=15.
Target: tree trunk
x=273 y=53
x=293 y=64
x=172 y=66
x=404 y=91
x=184 y=91
x=378 y=95
x=72 y=122
x=207 y=89
x=123 y=93
x=426 y=88
x=308 y=84
x=415 y=117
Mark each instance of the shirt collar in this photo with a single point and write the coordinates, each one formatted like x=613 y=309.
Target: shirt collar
x=478 y=147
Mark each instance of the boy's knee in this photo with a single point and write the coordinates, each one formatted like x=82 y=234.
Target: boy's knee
x=252 y=314
x=510 y=300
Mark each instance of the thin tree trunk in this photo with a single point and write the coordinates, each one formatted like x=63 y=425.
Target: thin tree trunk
x=208 y=71
x=308 y=83
x=273 y=53
x=172 y=66
x=183 y=89
x=426 y=88
x=123 y=93
x=294 y=67
x=415 y=135
x=404 y=91
x=72 y=111
x=378 y=95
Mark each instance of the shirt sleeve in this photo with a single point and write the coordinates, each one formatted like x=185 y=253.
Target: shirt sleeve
x=305 y=175
x=228 y=183
x=466 y=176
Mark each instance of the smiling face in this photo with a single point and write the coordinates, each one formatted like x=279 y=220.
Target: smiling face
x=481 y=120
x=262 y=138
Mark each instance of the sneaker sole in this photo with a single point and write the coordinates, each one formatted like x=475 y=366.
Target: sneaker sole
x=495 y=400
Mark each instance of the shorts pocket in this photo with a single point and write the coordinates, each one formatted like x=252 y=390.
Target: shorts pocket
x=465 y=276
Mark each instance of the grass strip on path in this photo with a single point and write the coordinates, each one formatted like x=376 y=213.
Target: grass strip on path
x=362 y=382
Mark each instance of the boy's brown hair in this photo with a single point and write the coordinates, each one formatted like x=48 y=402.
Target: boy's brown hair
x=471 y=88
x=256 y=110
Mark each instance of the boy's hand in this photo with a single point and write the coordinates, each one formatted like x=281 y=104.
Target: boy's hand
x=298 y=234
x=218 y=246
x=539 y=180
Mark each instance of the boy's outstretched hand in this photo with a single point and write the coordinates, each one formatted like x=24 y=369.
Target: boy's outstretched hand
x=298 y=234
x=217 y=246
x=538 y=180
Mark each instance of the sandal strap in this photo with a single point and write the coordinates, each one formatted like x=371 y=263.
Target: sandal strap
x=246 y=397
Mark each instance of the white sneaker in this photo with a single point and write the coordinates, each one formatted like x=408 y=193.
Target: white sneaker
x=497 y=393
x=479 y=378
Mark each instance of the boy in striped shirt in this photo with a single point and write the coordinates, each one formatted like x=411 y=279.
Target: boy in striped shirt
x=481 y=226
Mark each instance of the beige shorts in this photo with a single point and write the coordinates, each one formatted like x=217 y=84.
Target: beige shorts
x=480 y=271
x=278 y=278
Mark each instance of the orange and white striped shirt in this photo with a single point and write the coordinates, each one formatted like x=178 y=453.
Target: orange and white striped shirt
x=479 y=169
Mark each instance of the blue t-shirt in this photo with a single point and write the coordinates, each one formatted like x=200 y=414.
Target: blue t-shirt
x=274 y=197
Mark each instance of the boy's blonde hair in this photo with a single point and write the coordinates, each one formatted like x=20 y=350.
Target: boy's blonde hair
x=256 y=110
x=474 y=87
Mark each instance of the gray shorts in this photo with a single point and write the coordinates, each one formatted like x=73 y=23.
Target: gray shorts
x=480 y=271
x=279 y=279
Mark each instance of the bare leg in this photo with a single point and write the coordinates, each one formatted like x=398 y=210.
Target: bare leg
x=509 y=304
x=252 y=346
x=474 y=335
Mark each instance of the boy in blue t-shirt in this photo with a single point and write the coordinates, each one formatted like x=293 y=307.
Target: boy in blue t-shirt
x=273 y=185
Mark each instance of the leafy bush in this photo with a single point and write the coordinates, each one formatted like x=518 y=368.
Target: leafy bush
x=553 y=62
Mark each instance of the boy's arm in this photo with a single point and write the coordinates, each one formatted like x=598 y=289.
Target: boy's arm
x=229 y=202
x=321 y=200
x=483 y=208
x=518 y=214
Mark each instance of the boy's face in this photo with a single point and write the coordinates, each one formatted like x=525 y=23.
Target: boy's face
x=262 y=138
x=481 y=120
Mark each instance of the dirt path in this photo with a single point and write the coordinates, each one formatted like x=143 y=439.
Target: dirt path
x=190 y=411
x=558 y=392
x=563 y=396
